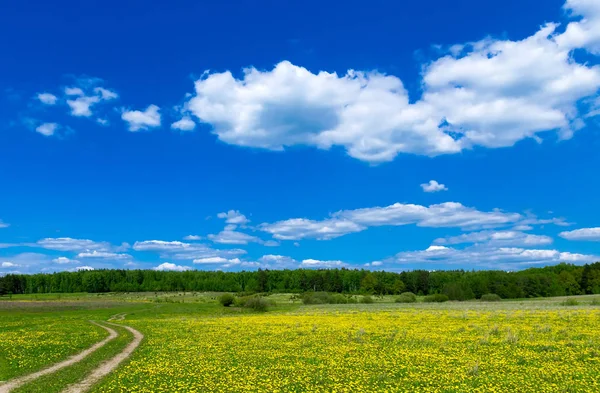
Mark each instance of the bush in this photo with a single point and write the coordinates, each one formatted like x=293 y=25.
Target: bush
x=570 y=302
x=257 y=303
x=490 y=297
x=226 y=299
x=367 y=299
x=338 y=299
x=316 y=298
x=242 y=300
x=406 y=297
x=436 y=298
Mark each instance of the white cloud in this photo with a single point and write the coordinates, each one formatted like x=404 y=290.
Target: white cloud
x=266 y=262
x=88 y=95
x=205 y=252
x=233 y=237
x=491 y=93
x=103 y=255
x=161 y=245
x=184 y=251
x=374 y=264
x=271 y=261
x=192 y=237
x=81 y=268
x=27 y=262
x=522 y=227
x=81 y=106
x=74 y=91
x=227 y=263
x=533 y=220
x=47 y=129
x=485 y=256
x=3 y=224
x=238 y=262
x=315 y=263
x=271 y=258
x=102 y=122
x=449 y=214
x=590 y=234
x=584 y=33
x=142 y=120
x=172 y=267
x=210 y=260
x=47 y=98
x=234 y=217
x=64 y=260
x=498 y=238
x=302 y=228
x=70 y=244
x=229 y=235
x=123 y=247
x=105 y=94
x=184 y=124
x=499 y=92
x=433 y=186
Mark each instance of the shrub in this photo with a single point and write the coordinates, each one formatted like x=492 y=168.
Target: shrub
x=257 y=303
x=243 y=300
x=338 y=299
x=226 y=299
x=406 y=297
x=254 y=302
x=352 y=300
x=240 y=301
x=367 y=299
x=436 y=298
x=490 y=297
x=570 y=302
x=316 y=298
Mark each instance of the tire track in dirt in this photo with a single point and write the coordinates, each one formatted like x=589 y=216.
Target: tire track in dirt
x=108 y=366
x=17 y=382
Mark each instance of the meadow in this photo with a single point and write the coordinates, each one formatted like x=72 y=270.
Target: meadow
x=193 y=344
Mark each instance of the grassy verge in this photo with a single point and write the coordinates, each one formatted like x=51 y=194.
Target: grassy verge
x=57 y=382
x=31 y=343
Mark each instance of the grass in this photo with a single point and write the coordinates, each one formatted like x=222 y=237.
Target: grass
x=194 y=343
x=35 y=335
x=57 y=382
x=422 y=347
x=30 y=343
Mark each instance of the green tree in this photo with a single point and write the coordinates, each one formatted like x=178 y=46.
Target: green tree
x=368 y=283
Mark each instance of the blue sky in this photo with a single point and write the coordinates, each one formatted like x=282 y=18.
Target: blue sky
x=239 y=135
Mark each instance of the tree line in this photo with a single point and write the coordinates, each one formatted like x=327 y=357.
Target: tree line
x=557 y=280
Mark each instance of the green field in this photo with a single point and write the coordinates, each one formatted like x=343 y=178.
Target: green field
x=193 y=344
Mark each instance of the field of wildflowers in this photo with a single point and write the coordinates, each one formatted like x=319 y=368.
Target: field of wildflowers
x=28 y=343
x=376 y=349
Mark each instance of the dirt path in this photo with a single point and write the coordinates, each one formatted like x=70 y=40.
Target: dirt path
x=108 y=366
x=17 y=382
